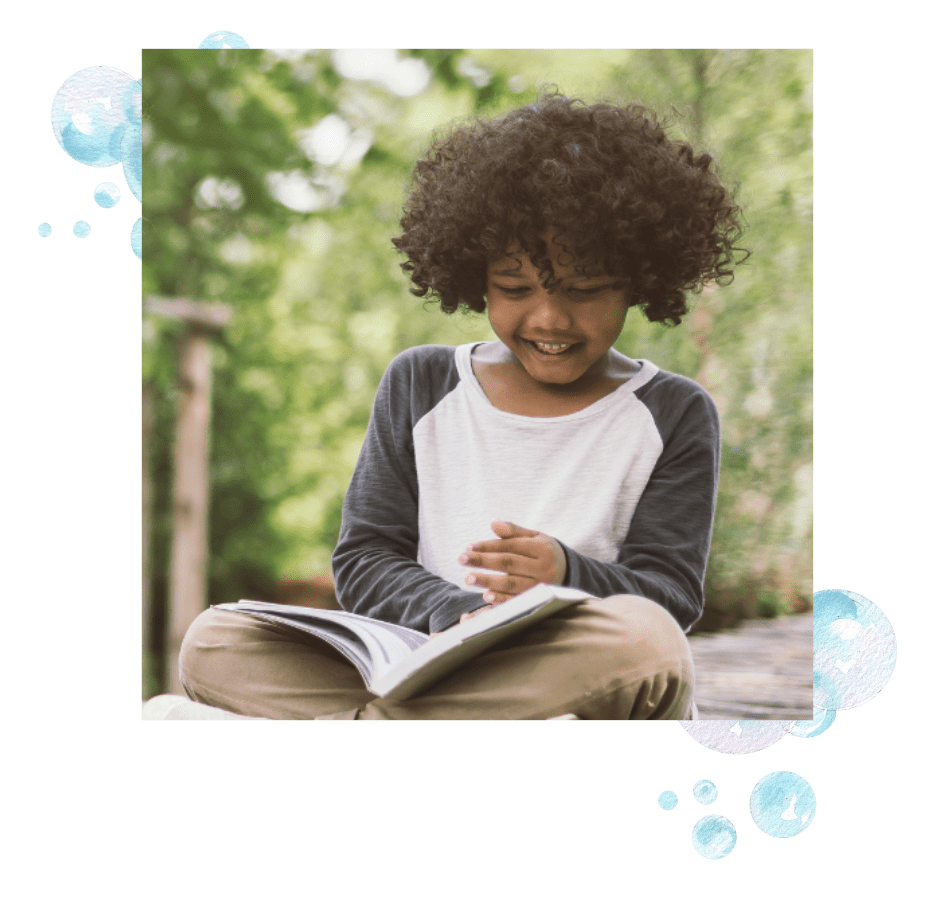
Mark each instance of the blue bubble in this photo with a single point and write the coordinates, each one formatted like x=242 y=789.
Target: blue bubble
x=222 y=40
x=714 y=836
x=134 y=102
x=811 y=728
x=705 y=791
x=88 y=115
x=782 y=804
x=45 y=229
x=137 y=239
x=81 y=229
x=667 y=800
x=854 y=649
x=131 y=159
x=107 y=195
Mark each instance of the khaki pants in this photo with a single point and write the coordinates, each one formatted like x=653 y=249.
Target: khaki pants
x=622 y=657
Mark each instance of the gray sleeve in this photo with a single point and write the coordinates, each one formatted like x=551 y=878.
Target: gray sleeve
x=664 y=554
x=374 y=564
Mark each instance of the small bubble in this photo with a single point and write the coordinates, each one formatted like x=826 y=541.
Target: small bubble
x=136 y=239
x=705 y=791
x=81 y=229
x=714 y=836
x=667 y=800
x=45 y=229
x=107 y=194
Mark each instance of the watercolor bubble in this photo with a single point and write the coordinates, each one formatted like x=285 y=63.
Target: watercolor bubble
x=223 y=40
x=854 y=649
x=107 y=195
x=736 y=737
x=705 y=791
x=81 y=229
x=714 y=836
x=131 y=159
x=137 y=238
x=134 y=102
x=45 y=229
x=88 y=115
x=782 y=804
x=667 y=800
x=811 y=728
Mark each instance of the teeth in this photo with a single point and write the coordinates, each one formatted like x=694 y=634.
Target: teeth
x=553 y=348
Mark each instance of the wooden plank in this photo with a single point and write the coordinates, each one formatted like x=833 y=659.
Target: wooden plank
x=759 y=670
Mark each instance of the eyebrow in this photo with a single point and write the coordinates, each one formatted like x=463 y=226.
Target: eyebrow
x=506 y=272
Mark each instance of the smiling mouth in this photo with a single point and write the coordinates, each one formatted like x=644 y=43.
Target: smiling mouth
x=551 y=348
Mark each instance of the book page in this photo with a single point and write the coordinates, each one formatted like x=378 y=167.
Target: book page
x=372 y=645
x=455 y=646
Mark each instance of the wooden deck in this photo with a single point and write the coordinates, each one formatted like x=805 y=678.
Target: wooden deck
x=759 y=670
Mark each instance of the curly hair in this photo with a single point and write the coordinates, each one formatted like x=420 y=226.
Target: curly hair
x=626 y=201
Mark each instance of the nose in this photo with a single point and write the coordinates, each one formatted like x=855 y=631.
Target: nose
x=550 y=312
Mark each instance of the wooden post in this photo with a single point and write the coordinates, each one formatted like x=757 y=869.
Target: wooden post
x=147 y=501
x=188 y=558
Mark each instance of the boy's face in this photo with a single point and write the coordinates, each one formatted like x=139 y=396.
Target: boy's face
x=560 y=337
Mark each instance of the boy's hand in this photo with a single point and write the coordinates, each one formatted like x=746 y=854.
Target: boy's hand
x=525 y=556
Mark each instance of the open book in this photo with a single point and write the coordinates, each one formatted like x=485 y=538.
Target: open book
x=398 y=662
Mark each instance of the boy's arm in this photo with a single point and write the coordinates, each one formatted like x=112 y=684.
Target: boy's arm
x=374 y=565
x=664 y=554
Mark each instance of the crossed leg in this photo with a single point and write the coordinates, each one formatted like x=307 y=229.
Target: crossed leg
x=622 y=657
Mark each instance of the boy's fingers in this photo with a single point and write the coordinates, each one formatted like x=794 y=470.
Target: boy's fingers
x=521 y=564
x=526 y=547
x=508 y=585
x=511 y=530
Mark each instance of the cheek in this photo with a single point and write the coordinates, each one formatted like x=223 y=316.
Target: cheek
x=609 y=322
x=500 y=315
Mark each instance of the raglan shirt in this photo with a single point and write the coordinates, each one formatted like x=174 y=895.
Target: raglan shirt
x=627 y=486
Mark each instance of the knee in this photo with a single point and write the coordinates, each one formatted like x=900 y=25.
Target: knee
x=649 y=636
x=206 y=636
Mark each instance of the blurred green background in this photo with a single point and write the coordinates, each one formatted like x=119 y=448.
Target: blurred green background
x=274 y=182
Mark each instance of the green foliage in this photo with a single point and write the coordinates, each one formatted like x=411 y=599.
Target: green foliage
x=321 y=306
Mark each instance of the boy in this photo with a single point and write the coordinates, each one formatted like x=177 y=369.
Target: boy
x=592 y=469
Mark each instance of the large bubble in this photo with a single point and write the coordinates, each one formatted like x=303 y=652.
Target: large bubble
x=137 y=239
x=782 y=804
x=223 y=40
x=89 y=115
x=131 y=159
x=736 y=737
x=854 y=649
x=134 y=102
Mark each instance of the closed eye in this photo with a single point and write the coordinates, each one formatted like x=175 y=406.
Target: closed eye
x=513 y=290
x=588 y=292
